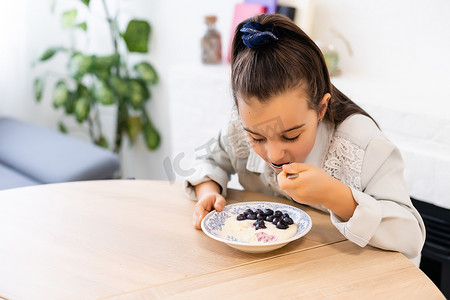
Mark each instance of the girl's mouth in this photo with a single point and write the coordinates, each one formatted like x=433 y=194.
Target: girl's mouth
x=278 y=167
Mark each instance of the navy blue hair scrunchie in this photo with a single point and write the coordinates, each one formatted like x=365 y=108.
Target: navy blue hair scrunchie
x=255 y=34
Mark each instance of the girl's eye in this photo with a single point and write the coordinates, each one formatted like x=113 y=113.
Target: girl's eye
x=258 y=140
x=291 y=139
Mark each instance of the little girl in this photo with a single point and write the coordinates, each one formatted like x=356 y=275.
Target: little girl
x=293 y=134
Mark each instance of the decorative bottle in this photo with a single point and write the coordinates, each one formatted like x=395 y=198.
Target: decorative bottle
x=211 y=43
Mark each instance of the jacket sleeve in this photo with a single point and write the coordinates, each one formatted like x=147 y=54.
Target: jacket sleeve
x=214 y=164
x=385 y=217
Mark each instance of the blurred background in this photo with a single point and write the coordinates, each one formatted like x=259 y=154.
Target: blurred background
x=394 y=53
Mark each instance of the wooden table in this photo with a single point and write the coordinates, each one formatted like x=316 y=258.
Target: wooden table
x=128 y=239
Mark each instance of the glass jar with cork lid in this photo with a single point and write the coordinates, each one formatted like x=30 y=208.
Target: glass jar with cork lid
x=211 y=42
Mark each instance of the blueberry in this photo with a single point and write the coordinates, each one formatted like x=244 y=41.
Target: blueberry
x=248 y=211
x=278 y=214
x=251 y=216
x=269 y=218
x=268 y=212
x=241 y=217
x=287 y=220
x=259 y=211
x=282 y=225
x=286 y=215
x=276 y=220
x=260 y=216
x=259 y=224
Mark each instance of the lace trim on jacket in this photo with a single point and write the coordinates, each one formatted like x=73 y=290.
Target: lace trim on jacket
x=344 y=162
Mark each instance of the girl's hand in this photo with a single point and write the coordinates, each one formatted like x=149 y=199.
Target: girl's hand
x=310 y=187
x=209 y=198
x=315 y=186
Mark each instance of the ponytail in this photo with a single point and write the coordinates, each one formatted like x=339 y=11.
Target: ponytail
x=341 y=107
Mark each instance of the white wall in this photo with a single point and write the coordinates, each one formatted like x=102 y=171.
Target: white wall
x=400 y=50
x=390 y=38
x=400 y=41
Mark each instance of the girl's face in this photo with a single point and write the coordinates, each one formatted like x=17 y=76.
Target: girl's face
x=283 y=129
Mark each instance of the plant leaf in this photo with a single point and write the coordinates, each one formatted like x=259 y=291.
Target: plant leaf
x=69 y=105
x=62 y=128
x=102 y=142
x=152 y=138
x=82 y=91
x=102 y=93
x=79 y=65
x=119 y=85
x=82 y=26
x=137 y=93
x=82 y=108
x=147 y=72
x=49 y=53
x=86 y=2
x=68 y=18
x=106 y=62
x=39 y=84
x=134 y=126
x=137 y=36
x=60 y=94
x=102 y=65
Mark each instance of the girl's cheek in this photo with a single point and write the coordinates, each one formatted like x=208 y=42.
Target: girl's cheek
x=259 y=149
x=302 y=149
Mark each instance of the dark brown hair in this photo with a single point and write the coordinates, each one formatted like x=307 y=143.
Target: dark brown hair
x=293 y=60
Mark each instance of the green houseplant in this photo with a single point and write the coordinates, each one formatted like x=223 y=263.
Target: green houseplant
x=95 y=80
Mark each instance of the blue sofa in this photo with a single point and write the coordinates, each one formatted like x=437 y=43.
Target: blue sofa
x=31 y=155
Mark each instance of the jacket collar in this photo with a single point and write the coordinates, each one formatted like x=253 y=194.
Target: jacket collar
x=320 y=149
x=255 y=163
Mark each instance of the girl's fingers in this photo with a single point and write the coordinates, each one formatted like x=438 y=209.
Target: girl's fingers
x=292 y=171
x=283 y=182
x=295 y=168
x=197 y=220
x=291 y=175
x=202 y=208
x=199 y=213
x=220 y=203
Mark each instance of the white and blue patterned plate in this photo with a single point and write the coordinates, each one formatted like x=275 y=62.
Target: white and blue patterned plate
x=213 y=223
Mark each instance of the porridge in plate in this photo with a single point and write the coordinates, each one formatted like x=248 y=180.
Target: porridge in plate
x=259 y=226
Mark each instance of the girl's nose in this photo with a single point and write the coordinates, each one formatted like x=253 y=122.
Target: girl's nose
x=275 y=153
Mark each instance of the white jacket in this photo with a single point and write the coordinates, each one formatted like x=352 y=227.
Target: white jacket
x=356 y=153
